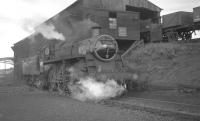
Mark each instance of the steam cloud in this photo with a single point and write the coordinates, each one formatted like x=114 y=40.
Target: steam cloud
x=49 y=32
x=75 y=30
x=90 y=89
x=82 y=28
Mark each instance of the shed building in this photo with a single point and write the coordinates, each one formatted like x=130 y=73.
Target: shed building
x=125 y=20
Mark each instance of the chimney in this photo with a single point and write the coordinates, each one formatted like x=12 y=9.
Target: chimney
x=96 y=31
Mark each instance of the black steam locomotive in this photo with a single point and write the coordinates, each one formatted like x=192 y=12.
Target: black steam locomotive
x=94 y=46
x=59 y=65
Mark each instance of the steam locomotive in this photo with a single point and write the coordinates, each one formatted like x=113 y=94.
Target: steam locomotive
x=58 y=65
x=95 y=45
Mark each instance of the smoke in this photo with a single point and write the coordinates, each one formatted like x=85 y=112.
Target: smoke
x=89 y=88
x=86 y=88
x=49 y=32
x=28 y=24
x=75 y=30
x=82 y=27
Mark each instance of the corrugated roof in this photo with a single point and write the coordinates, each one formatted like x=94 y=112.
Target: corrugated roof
x=121 y=4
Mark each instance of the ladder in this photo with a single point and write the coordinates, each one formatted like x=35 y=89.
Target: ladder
x=90 y=64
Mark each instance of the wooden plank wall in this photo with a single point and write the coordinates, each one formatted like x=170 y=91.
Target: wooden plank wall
x=177 y=19
x=118 y=5
x=125 y=20
x=21 y=49
x=138 y=3
x=196 y=14
x=156 y=32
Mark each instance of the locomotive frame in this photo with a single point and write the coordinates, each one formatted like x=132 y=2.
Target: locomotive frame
x=79 y=60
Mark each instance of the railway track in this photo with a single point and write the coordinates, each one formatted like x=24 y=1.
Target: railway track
x=159 y=107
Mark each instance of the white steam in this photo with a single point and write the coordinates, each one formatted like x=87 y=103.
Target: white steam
x=90 y=89
x=49 y=32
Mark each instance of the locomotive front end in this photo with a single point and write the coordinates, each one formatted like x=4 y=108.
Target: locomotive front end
x=96 y=58
x=104 y=61
x=106 y=48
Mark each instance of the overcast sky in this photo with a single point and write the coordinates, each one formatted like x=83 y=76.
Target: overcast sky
x=19 y=17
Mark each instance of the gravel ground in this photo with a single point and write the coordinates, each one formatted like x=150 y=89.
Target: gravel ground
x=44 y=107
x=168 y=95
x=20 y=103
